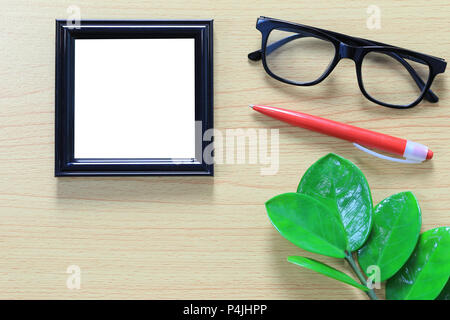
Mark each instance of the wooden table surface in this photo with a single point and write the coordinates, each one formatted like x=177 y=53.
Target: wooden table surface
x=199 y=237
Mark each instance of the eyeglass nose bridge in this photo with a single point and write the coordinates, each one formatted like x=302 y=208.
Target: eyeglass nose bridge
x=347 y=51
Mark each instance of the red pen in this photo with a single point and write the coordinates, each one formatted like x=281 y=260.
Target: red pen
x=412 y=152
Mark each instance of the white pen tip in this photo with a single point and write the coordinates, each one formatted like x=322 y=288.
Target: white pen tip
x=251 y=105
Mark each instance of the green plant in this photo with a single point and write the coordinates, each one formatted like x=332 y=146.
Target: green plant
x=332 y=214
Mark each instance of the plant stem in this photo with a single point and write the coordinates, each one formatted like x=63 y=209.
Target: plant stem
x=351 y=261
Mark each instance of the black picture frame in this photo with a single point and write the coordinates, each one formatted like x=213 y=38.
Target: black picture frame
x=66 y=34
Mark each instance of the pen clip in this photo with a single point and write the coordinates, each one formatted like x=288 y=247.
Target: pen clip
x=381 y=156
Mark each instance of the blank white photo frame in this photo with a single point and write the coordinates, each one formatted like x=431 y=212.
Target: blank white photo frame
x=134 y=98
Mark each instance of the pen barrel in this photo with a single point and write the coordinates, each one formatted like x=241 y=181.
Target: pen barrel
x=339 y=130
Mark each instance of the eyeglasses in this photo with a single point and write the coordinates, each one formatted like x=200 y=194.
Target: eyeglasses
x=303 y=56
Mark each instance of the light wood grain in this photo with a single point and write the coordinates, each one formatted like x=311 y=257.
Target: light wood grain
x=196 y=237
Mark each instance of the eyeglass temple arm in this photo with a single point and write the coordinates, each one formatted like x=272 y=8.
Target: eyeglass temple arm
x=429 y=95
x=257 y=55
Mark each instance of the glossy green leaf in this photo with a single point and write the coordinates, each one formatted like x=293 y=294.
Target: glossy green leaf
x=445 y=293
x=308 y=224
x=340 y=185
x=426 y=272
x=325 y=270
x=396 y=228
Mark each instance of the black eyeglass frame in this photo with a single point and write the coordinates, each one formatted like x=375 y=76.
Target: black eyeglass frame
x=356 y=49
